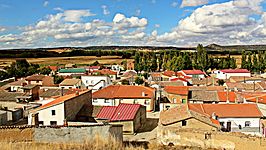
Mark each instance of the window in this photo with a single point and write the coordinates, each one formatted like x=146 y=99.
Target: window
x=184 y=101
x=40 y=122
x=184 y=123
x=37 y=81
x=247 y=124
x=53 y=123
x=222 y=124
x=167 y=107
x=106 y=100
x=53 y=112
x=135 y=101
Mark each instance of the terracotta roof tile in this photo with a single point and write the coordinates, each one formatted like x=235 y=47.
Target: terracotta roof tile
x=235 y=71
x=193 y=72
x=228 y=110
x=69 y=82
x=124 y=91
x=223 y=96
x=169 y=73
x=180 y=90
x=35 y=77
x=106 y=72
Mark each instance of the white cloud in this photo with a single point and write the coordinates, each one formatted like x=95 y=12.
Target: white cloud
x=59 y=9
x=45 y=3
x=187 y=3
x=76 y=15
x=2 y=29
x=157 y=26
x=120 y=21
x=174 y=4
x=105 y=10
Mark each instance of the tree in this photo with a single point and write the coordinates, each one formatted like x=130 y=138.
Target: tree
x=139 y=80
x=260 y=62
x=58 y=79
x=45 y=71
x=154 y=62
x=249 y=62
x=220 y=82
x=187 y=61
x=232 y=63
x=243 y=62
x=202 y=57
x=255 y=63
x=3 y=75
x=125 y=82
x=137 y=61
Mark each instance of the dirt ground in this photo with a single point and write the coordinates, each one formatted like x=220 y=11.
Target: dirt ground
x=66 y=60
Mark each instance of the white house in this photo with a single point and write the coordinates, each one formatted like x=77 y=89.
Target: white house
x=60 y=109
x=70 y=84
x=113 y=95
x=243 y=118
x=96 y=82
x=227 y=73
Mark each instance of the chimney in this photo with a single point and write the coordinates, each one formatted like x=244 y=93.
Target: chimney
x=214 y=116
x=227 y=95
x=62 y=91
x=143 y=94
x=77 y=93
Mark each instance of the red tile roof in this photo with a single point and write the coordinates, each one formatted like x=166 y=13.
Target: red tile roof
x=106 y=72
x=255 y=97
x=193 y=72
x=223 y=96
x=235 y=71
x=106 y=112
x=94 y=67
x=124 y=91
x=35 y=77
x=228 y=110
x=60 y=100
x=179 y=90
x=121 y=112
x=169 y=73
x=54 y=68
x=179 y=79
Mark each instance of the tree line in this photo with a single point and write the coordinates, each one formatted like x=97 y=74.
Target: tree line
x=176 y=60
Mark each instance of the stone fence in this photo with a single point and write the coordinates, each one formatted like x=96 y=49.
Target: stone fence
x=57 y=134
x=208 y=140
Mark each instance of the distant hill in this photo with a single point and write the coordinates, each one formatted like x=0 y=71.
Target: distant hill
x=216 y=47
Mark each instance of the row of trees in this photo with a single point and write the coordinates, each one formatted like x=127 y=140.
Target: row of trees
x=254 y=62
x=175 y=60
x=22 y=68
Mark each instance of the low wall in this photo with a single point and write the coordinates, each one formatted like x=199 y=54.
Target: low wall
x=205 y=140
x=59 y=133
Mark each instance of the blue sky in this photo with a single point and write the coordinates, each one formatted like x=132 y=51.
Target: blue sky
x=52 y=23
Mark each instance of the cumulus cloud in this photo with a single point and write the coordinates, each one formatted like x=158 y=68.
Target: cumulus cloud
x=76 y=15
x=45 y=3
x=105 y=10
x=187 y=3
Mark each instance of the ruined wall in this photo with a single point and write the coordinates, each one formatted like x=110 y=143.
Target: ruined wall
x=210 y=139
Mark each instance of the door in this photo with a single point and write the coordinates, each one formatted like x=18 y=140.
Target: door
x=228 y=126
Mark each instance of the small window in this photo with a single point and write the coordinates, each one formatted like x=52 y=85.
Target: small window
x=184 y=123
x=135 y=101
x=184 y=101
x=53 y=112
x=222 y=124
x=247 y=124
x=37 y=81
x=53 y=123
x=40 y=122
x=106 y=100
x=167 y=107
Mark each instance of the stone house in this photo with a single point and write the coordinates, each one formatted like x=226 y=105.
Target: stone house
x=131 y=116
x=64 y=108
x=176 y=94
x=39 y=79
x=183 y=118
